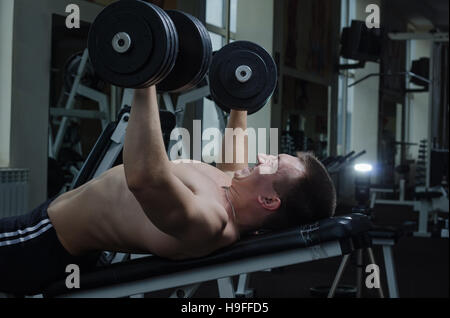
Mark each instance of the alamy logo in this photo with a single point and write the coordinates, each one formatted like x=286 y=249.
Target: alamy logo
x=373 y=19
x=73 y=279
x=211 y=150
x=373 y=279
x=73 y=19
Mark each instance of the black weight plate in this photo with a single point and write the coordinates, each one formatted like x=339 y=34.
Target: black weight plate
x=168 y=84
x=254 y=85
x=227 y=92
x=207 y=45
x=201 y=70
x=144 y=59
x=206 y=48
x=207 y=55
x=158 y=73
x=139 y=31
x=174 y=47
x=190 y=56
x=112 y=59
x=171 y=51
x=163 y=66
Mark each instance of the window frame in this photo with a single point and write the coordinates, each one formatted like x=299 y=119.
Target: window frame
x=225 y=31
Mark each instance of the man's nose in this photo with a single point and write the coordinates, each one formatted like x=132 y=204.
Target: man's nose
x=263 y=158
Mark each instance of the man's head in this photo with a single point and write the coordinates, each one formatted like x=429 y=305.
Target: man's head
x=283 y=191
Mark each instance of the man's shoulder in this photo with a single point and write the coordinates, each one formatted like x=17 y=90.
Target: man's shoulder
x=215 y=243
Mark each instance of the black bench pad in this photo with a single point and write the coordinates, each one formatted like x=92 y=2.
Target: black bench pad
x=393 y=232
x=332 y=229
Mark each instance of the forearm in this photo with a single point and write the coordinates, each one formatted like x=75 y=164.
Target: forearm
x=144 y=154
x=237 y=120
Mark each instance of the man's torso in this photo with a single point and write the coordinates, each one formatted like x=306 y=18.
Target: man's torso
x=104 y=215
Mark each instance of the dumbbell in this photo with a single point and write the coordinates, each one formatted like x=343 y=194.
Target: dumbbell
x=135 y=44
x=242 y=76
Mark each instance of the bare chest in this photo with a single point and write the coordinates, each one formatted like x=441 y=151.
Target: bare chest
x=199 y=176
x=106 y=216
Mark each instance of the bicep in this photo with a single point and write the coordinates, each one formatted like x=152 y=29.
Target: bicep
x=167 y=204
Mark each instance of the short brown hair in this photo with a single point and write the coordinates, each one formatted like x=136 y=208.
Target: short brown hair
x=313 y=197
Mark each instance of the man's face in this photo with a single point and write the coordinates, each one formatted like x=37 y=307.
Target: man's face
x=271 y=169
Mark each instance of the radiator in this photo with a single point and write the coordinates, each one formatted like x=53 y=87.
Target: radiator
x=13 y=192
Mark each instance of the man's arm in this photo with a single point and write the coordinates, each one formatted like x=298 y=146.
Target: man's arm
x=238 y=119
x=144 y=155
x=168 y=202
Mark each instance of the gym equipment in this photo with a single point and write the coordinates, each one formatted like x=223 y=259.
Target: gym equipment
x=360 y=43
x=89 y=78
x=77 y=79
x=336 y=164
x=242 y=76
x=421 y=67
x=135 y=44
x=195 y=54
x=328 y=238
x=386 y=237
x=426 y=201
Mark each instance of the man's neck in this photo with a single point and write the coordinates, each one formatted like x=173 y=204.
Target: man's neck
x=239 y=200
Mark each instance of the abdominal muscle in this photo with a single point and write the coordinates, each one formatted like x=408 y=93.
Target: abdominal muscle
x=104 y=215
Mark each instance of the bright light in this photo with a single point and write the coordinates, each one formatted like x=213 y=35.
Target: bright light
x=363 y=167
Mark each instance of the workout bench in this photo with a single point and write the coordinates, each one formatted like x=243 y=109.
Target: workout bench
x=329 y=238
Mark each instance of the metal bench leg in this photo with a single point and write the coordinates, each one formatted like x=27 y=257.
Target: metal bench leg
x=390 y=271
x=226 y=289
x=424 y=208
x=243 y=291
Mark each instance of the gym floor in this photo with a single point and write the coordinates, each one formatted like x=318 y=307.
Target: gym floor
x=421 y=263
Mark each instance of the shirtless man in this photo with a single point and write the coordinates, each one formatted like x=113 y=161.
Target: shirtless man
x=151 y=205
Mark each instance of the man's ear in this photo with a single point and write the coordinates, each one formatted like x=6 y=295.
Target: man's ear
x=269 y=203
